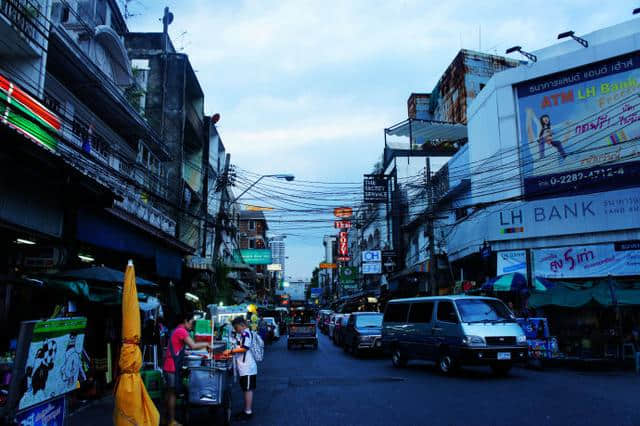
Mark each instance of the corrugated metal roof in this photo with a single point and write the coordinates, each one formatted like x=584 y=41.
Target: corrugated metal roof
x=422 y=131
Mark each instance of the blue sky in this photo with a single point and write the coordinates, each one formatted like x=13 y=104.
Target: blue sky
x=307 y=87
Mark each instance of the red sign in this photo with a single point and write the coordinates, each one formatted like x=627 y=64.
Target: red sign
x=343 y=244
x=343 y=258
x=342 y=224
x=343 y=212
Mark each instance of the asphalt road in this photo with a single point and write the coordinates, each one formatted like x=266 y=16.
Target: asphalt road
x=330 y=387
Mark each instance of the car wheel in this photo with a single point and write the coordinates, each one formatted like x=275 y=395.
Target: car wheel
x=446 y=363
x=501 y=368
x=398 y=359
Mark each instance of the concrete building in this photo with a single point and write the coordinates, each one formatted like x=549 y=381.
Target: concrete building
x=278 y=255
x=555 y=209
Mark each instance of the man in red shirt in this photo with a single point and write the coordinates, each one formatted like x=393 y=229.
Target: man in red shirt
x=173 y=360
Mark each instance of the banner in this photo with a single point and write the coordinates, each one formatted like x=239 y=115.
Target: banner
x=586 y=261
x=512 y=261
x=579 y=128
x=53 y=360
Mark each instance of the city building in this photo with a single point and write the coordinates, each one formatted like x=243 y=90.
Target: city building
x=278 y=256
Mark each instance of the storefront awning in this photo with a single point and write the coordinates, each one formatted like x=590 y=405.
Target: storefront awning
x=606 y=293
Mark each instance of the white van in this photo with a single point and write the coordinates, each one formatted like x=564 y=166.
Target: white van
x=453 y=331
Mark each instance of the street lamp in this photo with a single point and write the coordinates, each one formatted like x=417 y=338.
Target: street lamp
x=529 y=56
x=571 y=34
x=287 y=177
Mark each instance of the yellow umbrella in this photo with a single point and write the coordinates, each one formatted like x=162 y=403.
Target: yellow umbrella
x=133 y=404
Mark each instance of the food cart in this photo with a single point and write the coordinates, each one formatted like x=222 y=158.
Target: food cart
x=47 y=366
x=542 y=346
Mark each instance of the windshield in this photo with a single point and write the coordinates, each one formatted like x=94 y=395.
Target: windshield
x=482 y=310
x=369 y=321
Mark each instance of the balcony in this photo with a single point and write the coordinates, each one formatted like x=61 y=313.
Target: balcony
x=23 y=27
x=134 y=203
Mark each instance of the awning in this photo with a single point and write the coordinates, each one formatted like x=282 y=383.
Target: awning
x=422 y=131
x=605 y=293
x=238 y=266
x=101 y=274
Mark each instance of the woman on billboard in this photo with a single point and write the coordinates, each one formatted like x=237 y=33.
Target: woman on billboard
x=545 y=134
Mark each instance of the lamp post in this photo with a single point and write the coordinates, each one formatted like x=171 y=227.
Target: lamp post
x=287 y=177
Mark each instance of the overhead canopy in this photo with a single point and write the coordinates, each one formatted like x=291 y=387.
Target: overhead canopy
x=422 y=131
x=605 y=293
x=101 y=274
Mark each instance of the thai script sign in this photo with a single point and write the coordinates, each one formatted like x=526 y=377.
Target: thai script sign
x=579 y=128
x=586 y=261
x=343 y=244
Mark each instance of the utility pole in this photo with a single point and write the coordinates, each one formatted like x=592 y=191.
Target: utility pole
x=433 y=288
x=224 y=181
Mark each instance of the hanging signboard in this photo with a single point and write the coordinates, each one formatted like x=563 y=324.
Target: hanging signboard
x=389 y=260
x=53 y=358
x=372 y=268
x=343 y=212
x=254 y=256
x=343 y=243
x=274 y=267
x=326 y=265
x=342 y=224
x=348 y=274
x=580 y=128
x=599 y=260
x=375 y=189
x=343 y=258
x=372 y=256
x=512 y=261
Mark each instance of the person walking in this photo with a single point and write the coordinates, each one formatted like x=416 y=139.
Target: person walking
x=245 y=364
x=173 y=362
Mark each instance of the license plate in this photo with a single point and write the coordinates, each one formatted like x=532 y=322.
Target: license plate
x=504 y=355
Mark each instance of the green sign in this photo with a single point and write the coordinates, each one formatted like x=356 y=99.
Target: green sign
x=348 y=274
x=254 y=256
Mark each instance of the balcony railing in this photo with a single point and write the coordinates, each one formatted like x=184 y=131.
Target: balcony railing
x=27 y=17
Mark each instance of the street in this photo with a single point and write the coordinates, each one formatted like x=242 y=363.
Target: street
x=330 y=387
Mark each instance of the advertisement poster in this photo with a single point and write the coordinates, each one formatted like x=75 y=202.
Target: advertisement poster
x=587 y=261
x=348 y=274
x=48 y=414
x=579 y=128
x=53 y=360
x=512 y=261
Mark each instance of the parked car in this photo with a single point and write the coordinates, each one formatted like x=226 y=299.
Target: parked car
x=323 y=320
x=363 y=332
x=338 y=331
x=333 y=319
x=453 y=331
x=271 y=322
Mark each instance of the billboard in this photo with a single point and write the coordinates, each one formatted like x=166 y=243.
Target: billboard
x=375 y=189
x=598 y=260
x=579 y=128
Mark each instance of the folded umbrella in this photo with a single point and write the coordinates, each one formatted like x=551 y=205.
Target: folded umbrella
x=133 y=406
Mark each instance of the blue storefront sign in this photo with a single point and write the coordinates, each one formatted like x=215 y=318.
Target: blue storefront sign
x=50 y=413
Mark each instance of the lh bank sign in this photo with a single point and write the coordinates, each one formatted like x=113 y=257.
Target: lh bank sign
x=605 y=211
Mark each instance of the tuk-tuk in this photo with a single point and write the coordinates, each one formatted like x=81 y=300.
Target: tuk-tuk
x=302 y=329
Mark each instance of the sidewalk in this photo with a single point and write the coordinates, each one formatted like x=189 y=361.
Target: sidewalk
x=96 y=413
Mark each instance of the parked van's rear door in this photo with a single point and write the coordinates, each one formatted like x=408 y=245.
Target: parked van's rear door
x=419 y=333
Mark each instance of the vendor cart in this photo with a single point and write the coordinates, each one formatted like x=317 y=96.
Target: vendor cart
x=208 y=385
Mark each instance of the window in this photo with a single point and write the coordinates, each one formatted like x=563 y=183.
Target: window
x=396 y=312
x=252 y=243
x=252 y=225
x=482 y=86
x=421 y=312
x=446 y=312
x=369 y=320
x=481 y=310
